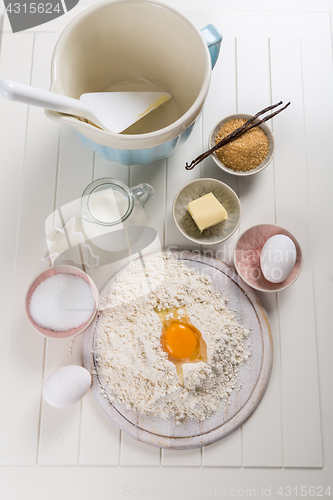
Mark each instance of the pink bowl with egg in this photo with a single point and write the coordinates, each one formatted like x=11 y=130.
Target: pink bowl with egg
x=247 y=257
x=47 y=274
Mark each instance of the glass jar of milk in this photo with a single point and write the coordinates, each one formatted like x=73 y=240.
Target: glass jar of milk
x=113 y=216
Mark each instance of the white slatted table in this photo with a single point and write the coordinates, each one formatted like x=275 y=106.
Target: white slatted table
x=272 y=50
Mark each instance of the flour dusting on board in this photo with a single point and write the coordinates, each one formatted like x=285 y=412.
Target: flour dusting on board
x=132 y=366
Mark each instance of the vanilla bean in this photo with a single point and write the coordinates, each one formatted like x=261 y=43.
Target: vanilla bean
x=238 y=132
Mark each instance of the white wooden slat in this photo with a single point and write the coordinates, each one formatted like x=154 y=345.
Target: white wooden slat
x=300 y=400
x=176 y=178
x=182 y=458
x=12 y=161
x=99 y=439
x=26 y=349
x=224 y=453
x=136 y=453
x=278 y=24
x=5 y=24
x=254 y=93
x=222 y=102
x=255 y=5
x=250 y=212
x=12 y=134
x=318 y=98
x=43 y=49
x=262 y=433
x=70 y=483
x=75 y=171
x=105 y=168
x=75 y=167
x=2 y=13
x=155 y=175
x=59 y=432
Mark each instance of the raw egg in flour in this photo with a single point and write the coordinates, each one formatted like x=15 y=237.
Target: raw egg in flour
x=181 y=340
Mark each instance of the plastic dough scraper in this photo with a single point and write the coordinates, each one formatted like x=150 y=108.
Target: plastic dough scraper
x=113 y=111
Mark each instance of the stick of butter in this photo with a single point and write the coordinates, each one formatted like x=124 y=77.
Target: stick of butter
x=207 y=211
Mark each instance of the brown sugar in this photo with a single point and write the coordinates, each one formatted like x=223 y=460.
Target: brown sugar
x=246 y=152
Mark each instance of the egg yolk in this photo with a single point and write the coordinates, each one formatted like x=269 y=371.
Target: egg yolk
x=180 y=341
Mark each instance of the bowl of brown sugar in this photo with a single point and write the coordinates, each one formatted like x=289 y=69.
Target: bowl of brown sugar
x=248 y=154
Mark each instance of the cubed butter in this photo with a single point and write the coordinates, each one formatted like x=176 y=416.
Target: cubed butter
x=207 y=211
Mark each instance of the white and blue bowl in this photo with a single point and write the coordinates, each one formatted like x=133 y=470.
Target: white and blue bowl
x=125 y=45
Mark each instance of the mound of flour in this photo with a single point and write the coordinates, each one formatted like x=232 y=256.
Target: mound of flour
x=131 y=364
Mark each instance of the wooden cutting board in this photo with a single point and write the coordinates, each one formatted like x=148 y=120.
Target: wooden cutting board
x=252 y=378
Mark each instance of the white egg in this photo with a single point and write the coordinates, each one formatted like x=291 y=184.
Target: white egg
x=278 y=258
x=66 y=386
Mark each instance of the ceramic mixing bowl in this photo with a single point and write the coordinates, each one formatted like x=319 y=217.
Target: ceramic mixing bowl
x=134 y=45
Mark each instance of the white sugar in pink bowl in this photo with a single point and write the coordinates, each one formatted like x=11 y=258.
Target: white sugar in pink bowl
x=62 y=302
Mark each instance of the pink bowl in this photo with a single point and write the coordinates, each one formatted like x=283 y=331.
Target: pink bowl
x=51 y=272
x=247 y=257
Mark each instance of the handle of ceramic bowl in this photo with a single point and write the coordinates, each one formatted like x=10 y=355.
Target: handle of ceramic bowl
x=143 y=192
x=213 y=39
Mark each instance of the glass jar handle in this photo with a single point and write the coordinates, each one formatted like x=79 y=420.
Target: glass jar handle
x=143 y=192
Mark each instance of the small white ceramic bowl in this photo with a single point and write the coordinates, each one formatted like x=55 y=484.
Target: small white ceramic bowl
x=215 y=234
x=51 y=272
x=267 y=160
